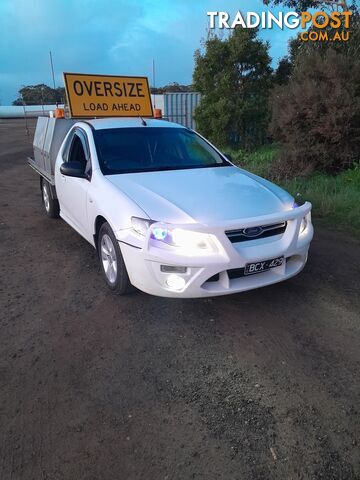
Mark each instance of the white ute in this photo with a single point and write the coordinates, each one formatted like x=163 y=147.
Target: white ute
x=167 y=211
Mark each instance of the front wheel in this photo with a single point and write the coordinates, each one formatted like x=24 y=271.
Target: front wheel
x=51 y=204
x=112 y=262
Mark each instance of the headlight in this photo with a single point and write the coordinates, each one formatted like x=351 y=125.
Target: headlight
x=189 y=241
x=303 y=226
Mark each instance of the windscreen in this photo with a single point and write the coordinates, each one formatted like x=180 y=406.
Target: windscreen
x=128 y=150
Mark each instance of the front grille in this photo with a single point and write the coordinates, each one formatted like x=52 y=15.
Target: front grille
x=253 y=233
x=232 y=274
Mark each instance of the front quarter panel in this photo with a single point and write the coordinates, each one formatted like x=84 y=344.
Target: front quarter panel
x=108 y=201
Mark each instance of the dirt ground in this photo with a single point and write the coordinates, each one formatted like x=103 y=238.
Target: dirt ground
x=259 y=385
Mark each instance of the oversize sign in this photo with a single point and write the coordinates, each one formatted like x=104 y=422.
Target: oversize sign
x=107 y=96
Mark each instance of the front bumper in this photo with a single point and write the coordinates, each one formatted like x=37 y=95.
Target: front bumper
x=143 y=258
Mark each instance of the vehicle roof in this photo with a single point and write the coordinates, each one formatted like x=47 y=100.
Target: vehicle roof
x=126 y=122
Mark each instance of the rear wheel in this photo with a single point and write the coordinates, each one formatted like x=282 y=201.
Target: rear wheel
x=51 y=204
x=112 y=262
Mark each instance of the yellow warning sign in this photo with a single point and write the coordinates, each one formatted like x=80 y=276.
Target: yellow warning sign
x=107 y=96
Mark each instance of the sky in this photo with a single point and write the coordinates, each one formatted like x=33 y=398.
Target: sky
x=110 y=37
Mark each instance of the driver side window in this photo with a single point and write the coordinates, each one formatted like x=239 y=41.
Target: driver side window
x=77 y=154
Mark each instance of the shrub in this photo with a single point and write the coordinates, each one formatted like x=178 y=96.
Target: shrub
x=316 y=116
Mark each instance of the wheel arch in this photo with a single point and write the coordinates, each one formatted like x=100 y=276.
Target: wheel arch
x=99 y=221
x=52 y=188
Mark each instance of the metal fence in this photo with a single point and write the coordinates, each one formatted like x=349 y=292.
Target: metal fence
x=177 y=107
x=180 y=107
x=29 y=111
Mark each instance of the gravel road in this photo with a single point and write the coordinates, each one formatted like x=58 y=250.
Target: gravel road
x=258 y=385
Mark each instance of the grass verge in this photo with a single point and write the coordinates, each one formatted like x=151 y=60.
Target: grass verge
x=335 y=199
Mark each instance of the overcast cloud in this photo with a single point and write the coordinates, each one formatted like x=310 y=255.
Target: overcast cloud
x=110 y=37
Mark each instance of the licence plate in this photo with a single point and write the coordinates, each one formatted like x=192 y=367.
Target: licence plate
x=263 y=266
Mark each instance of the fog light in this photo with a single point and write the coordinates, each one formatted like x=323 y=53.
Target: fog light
x=175 y=282
x=172 y=269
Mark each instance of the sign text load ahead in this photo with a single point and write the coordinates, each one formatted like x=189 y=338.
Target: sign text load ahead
x=107 y=96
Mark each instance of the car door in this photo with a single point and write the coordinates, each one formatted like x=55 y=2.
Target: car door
x=73 y=192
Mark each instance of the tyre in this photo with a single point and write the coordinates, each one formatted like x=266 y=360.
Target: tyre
x=112 y=262
x=51 y=204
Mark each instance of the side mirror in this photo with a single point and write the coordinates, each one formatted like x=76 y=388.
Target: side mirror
x=72 y=169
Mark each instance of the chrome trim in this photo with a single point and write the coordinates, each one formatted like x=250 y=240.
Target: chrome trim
x=262 y=229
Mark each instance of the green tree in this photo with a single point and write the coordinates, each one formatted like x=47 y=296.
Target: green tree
x=283 y=71
x=298 y=48
x=172 y=87
x=40 y=94
x=234 y=76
